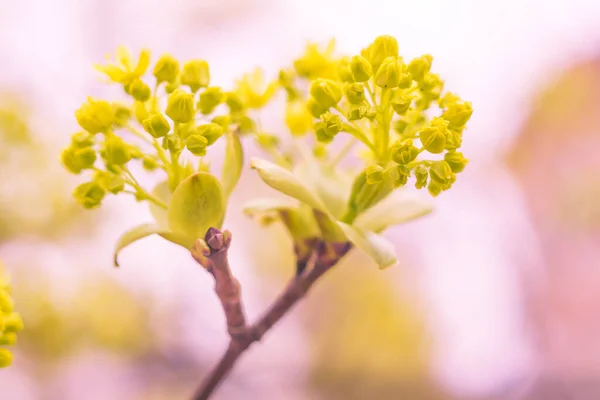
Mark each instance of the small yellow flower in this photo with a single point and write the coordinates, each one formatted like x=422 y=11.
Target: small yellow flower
x=95 y=116
x=316 y=63
x=297 y=118
x=253 y=91
x=123 y=70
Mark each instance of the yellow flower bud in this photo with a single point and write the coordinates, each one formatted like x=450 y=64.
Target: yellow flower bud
x=266 y=140
x=361 y=69
x=8 y=339
x=432 y=85
x=404 y=154
x=139 y=90
x=172 y=143
x=343 y=70
x=327 y=93
x=246 y=124
x=357 y=112
x=401 y=102
x=172 y=86
x=89 y=194
x=197 y=144
x=6 y=305
x=297 y=118
x=355 y=92
x=371 y=113
x=400 y=126
x=419 y=67
x=157 y=125
x=314 y=108
x=234 y=102
x=433 y=137
x=95 y=116
x=389 y=73
x=115 y=184
x=6 y=358
x=82 y=139
x=70 y=160
x=456 y=161
x=383 y=47
x=121 y=113
x=286 y=77
x=116 y=151
x=332 y=123
x=402 y=178
x=374 y=174
x=422 y=175
x=209 y=99
x=195 y=74
x=441 y=173
x=149 y=163
x=180 y=106
x=434 y=188
x=210 y=131
x=166 y=69
x=322 y=135
x=458 y=114
x=86 y=157
x=223 y=121
x=320 y=150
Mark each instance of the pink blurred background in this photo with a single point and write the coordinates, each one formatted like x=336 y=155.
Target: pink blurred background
x=498 y=290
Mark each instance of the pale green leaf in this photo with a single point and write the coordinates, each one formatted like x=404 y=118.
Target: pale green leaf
x=284 y=181
x=234 y=161
x=163 y=193
x=375 y=246
x=144 y=230
x=196 y=205
x=398 y=208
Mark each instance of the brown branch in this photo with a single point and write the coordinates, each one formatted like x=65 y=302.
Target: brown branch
x=323 y=258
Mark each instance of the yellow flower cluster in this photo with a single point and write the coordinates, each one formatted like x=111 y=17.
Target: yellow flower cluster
x=10 y=321
x=173 y=112
x=384 y=103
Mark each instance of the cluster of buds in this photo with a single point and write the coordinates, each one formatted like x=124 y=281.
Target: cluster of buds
x=10 y=320
x=384 y=103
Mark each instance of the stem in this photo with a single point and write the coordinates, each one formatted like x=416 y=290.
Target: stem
x=355 y=130
x=213 y=252
x=343 y=152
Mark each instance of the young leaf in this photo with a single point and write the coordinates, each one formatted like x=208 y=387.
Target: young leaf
x=196 y=205
x=163 y=193
x=327 y=183
x=396 y=209
x=234 y=161
x=285 y=182
x=257 y=207
x=144 y=230
x=375 y=246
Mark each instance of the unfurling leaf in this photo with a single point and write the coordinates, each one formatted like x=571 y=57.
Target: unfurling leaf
x=234 y=161
x=375 y=246
x=284 y=181
x=196 y=205
x=144 y=230
x=162 y=192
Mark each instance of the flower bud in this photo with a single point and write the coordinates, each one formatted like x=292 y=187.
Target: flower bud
x=403 y=174
x=433 y=137
x=286 y=77
x=332 y=123
x=371 y=113
x=441 y=173
x=115 y=184
x=95 y=116
x=172 y=143
x=374 y=174
x=197 y=144
x=86 y=157
x=195 y=74
x=419 y=67
x=209 y=99
x=389 y=73
x=357 y=112
x=400 y=126
x=432 y=85
x=8 y=339
x=121 y=113
x=116 y=151
x=180 y=107
x=327 y=93
x=82 y=139
x=89 y=194
x=234 y=102
x=458 y=113
x=157 y=125
x=361 y=69
x=149 y=163
x=70 y=161
x=421 y=174
x=401 y=102
x=246 y=125
x=223 y=121
x=297 y=118
x=139 y=90
x=405 y=153
x=172 y=86
x=355 y=92
x=381 y=48
x=434 y=188
x=343 y=70
x=456 y=161
x=266 y=140
x=210 y=131
x=321 y=133
x=166 y=69
x=314 y=108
